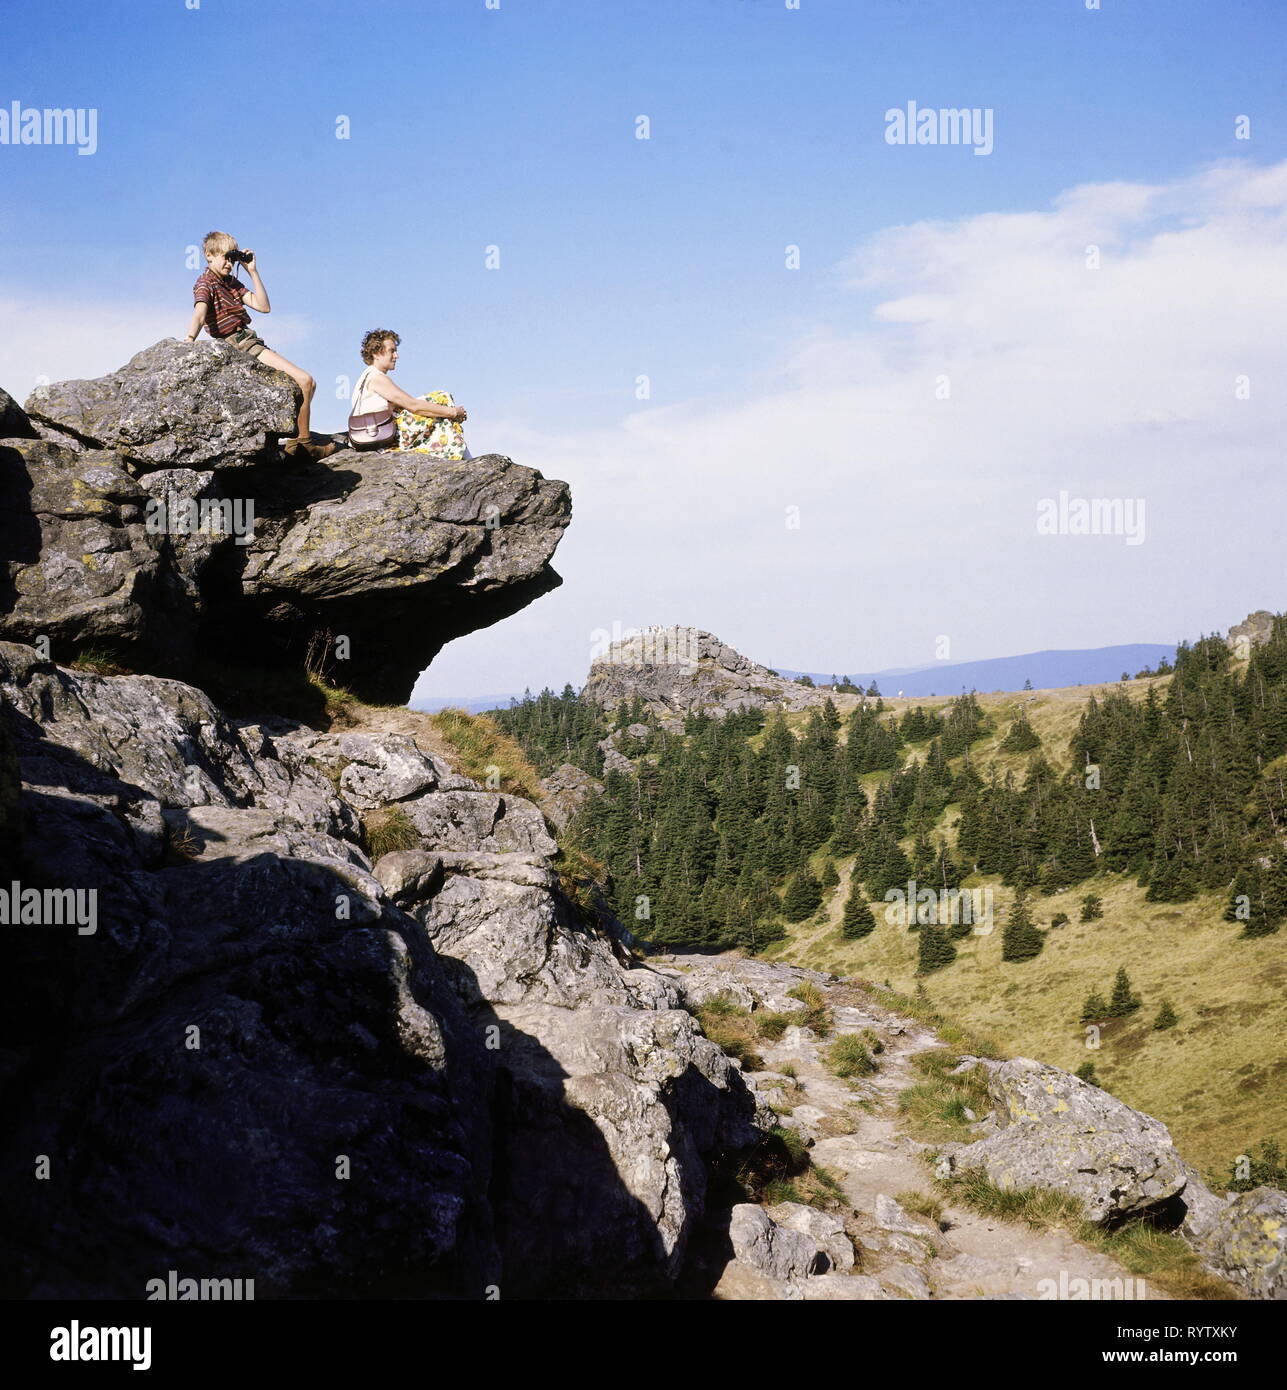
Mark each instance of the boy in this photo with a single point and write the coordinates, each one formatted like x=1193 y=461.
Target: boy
x=220 y=307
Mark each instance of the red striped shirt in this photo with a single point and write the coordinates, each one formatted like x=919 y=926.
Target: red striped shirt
x=224 y=295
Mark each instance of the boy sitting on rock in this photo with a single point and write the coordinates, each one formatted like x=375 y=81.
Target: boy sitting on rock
x=221 y=301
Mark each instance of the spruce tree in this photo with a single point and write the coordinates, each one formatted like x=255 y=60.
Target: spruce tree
x=1123 y=1001
x=1020 y=940
x=1092 y=908
x=1166 y=1017
x=935 y=950
x=803 y=895
x=857 y=920
x=1094 y=1008
x=1022 y=736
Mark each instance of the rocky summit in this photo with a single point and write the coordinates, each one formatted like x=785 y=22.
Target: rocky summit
x=322 y=1005
x=676 y=671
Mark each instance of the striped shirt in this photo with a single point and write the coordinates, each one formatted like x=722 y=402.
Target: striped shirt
x=223 y=294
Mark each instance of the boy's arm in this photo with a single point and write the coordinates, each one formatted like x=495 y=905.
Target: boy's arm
x=257 y=298
x=198 y=320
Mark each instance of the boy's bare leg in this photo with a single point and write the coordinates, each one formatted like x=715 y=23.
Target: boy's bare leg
x=305 y=383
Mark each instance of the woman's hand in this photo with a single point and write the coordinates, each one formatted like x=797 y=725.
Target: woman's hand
x=459 y=413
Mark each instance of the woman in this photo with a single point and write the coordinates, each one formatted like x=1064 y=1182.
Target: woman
x=429 y=424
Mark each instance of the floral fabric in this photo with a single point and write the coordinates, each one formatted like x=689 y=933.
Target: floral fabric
x=417 y=434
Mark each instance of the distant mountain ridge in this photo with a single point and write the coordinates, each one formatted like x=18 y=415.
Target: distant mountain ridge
x=1046 y=670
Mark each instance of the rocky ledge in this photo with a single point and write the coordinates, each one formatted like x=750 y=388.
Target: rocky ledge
x=150 y=515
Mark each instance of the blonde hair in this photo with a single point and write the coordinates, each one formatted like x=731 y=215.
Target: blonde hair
x=218 y=241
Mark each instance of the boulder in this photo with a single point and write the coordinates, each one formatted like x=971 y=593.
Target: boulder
x=826 y=1230
x=1057 y=1131
x=775 y=1251
x=373 y=770
x=1245 y=1241
x=175 y=404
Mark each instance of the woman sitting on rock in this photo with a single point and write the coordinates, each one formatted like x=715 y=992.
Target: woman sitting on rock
x=428 y=424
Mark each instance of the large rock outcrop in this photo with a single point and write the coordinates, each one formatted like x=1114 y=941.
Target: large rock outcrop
x=156 y=521
x=275 y=1059
x=1055 y=1130
x=681 y=670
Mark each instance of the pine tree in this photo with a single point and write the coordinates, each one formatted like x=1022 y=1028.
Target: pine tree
x=1087 y=1073
x=803 y=895
x=935 y=950
x=830 y=877
x=1123 y=1001
x=1166 y=1017
x=857 y=920
x=1094 y=1008
x=1020 y=940
x=1092 y=908
x=1022 y=736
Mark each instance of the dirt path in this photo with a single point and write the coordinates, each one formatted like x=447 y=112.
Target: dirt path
x=856 y=1135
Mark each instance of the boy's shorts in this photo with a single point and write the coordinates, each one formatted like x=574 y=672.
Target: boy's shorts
x=247 y=340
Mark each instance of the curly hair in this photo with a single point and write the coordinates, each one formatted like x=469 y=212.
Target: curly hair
x=375 y=340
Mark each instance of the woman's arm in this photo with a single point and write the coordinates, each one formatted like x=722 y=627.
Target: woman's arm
x=383 y=386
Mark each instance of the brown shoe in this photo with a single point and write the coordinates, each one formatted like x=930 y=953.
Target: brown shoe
x=320 y=451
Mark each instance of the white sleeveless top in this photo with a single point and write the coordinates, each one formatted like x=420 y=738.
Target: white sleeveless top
x=365 y=400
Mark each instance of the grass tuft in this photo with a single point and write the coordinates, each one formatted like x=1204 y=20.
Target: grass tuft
x=387 y=829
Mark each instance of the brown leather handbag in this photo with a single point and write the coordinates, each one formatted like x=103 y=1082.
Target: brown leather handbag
x=376 y=429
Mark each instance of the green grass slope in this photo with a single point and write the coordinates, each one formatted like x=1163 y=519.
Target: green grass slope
x=1218 y=1078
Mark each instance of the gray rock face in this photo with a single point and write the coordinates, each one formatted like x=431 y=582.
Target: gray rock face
x=80 y=565
x=370 y=562
x=775 y=1251
x=1244 y=1239
x=1254 y=631
x=566 y=790
x=175 y=404
x=13 y=419
x=512 y=1101
x=825 y=1230
x=248 y=1021
x=1057 y=1131
x=682 y=670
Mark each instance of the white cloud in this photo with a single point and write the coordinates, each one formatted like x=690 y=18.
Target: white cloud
x=917 y=514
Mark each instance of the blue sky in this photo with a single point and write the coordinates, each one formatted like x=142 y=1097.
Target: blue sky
x=664 y=257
